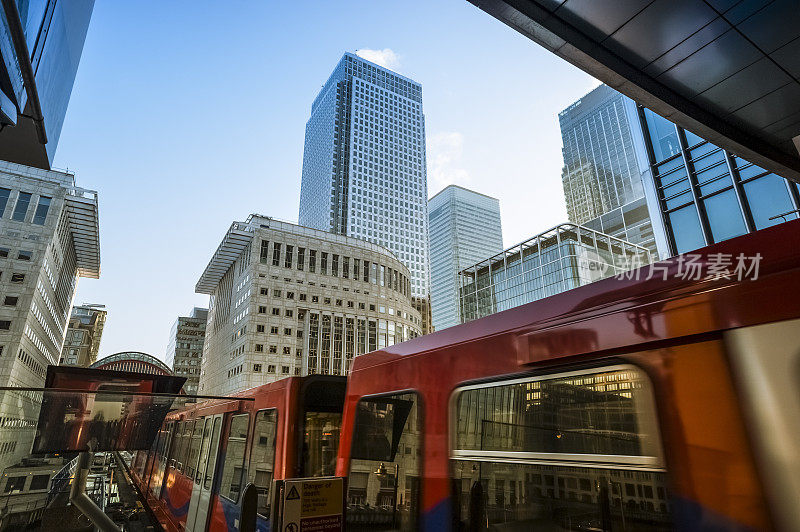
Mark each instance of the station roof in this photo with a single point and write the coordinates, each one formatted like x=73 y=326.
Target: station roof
x=727 y=70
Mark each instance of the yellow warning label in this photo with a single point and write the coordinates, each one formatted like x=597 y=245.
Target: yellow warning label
x=323 y=497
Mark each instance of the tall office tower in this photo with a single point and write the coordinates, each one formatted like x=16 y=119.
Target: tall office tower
x=49 y=238
x=700 y=194
x=185 y=348
x=464 y=229
x=602 y=184
x=364 y=172
x=291 y=300
x=41 y=43
x=84 y=332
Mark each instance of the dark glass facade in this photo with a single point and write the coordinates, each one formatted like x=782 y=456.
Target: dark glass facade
x=41 y=42
x=705 y=194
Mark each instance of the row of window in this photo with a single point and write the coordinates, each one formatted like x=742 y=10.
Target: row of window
x=333 y=264
x=23 y=202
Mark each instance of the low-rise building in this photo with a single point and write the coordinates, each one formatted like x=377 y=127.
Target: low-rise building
x=291 y=300
x=185 y=348
x=564 y=257
x=85 y=330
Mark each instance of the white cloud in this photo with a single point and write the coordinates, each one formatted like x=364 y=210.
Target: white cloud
x=444 y=161
x=385 y=58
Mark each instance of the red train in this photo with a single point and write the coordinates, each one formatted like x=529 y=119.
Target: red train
x=637 y=404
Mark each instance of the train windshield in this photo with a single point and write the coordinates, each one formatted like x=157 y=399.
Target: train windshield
x=323 y=402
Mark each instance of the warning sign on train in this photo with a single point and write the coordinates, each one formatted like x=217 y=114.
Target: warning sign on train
x=313 y=505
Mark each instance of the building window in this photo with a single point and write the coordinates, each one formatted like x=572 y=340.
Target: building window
x=297 y=371
x=5 y=325
x=273 y=349
x=298 y=353
x=259 y=348
x=287 y=331
x=264 y=251
x=324 y=264
x=287 y=350
x=276 y=311
x=264 y=291
x=338 y=302
x=260 y=328
x=273 y=329
x=271 y=368
x=4 y=253
x=335 y=266
x=312 y=260
x=256 y=368
x=40 y=215
x=276 y=254
x=289 y=313
x=302 y=297
x=262 y=309
x=285 y=370
x=315 y=299
x=4 y=194
x=287 y=263
x=327 y=301
x=25 y=255
x=276 y=293
x=289 y=295
x=301 y=257
x=21 y=209
x=17 y=277
x=10 y=301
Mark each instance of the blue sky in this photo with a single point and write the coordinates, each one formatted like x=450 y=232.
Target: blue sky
x=186 y=116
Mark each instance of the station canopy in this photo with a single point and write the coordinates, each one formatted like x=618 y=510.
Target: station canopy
x=727 y=70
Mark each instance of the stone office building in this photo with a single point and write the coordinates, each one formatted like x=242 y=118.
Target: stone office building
x=185 y=347
x=291 y=300
x=49 y=236
x=82 y=342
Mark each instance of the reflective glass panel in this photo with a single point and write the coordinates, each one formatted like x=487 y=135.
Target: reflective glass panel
x=686 y=229
x=724 y=216
x=602 y=413
x=768 y=196
x=40 y=215
x=663 y=136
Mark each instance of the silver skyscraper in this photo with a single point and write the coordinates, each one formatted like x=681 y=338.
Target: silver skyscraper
x=364 y=163
x=464 y=229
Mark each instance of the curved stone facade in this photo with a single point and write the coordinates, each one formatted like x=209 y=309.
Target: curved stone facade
x=290 y=300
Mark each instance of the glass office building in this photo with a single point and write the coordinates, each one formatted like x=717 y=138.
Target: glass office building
x=41 y=42
x=364 y=171
x=704 y=194
x=602 y=182
x=565 y=257
x=464 y=229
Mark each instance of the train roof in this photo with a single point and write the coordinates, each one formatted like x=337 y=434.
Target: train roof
x=652 y=304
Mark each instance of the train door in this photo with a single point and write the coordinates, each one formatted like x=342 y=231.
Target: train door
x=200 y=502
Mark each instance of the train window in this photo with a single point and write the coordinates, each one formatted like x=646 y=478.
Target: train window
x=212 y=452
x=233 y=463
x=321 y=443
x=186 y=442
x=194 y=448
x=577 y=451
x=386 y=460
x=177 y=443
x=262 y=457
